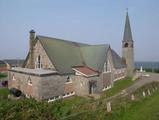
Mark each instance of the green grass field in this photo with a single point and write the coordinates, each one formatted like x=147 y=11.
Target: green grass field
x=143 y=109
x=118 y=86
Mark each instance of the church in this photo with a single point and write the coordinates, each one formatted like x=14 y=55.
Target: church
x=56 y=68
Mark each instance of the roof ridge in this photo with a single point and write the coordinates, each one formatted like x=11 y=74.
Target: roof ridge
x=59 y=39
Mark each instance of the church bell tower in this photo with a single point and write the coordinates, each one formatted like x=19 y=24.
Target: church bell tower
x=128 y=47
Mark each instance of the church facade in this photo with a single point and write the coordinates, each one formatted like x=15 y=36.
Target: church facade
x=56 y=68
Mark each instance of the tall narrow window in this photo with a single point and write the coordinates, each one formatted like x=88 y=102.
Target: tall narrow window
x=105 y=67
x=38 y=63
x=13 y=77
x=108 y=66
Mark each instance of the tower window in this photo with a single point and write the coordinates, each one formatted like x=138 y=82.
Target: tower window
x=126 y=45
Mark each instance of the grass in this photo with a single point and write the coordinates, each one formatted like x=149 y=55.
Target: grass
x=118 y=86
x=141 y=109
x=4 y=93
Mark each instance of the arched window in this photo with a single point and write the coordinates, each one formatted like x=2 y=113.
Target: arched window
x=38 y=63
x=29 y=81
x=68 y=80
x=108 y=66
x=13 y=77
x=105 y=67
x=126 y=45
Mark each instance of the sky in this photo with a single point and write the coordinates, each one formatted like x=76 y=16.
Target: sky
x=86 y=21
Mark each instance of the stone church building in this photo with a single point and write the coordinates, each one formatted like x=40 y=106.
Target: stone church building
x=56 y=68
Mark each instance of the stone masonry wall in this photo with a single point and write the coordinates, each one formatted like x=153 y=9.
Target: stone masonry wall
x=81 y=85
x=45 y=61
x=20 y=81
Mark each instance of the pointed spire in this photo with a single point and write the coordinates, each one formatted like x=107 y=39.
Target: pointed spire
x=127 y=30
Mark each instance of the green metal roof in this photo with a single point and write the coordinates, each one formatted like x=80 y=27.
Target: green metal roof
x=117 y=60
x=95 y=56
x=66 y=54
x=63 y=54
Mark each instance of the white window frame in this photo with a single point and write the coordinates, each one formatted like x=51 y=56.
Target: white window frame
x=38 y=63
x=106 y=65
x=70 y=80
x=13 y=77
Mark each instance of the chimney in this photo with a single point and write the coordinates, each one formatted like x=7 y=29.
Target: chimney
x=31 y=45
x=32 y=37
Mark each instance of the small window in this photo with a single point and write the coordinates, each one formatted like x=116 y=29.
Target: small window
x=68 y=80
x=29 y=81
x=13 y=77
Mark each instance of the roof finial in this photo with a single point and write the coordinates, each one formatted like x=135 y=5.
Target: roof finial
x=126 y=10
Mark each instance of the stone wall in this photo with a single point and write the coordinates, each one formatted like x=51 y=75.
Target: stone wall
x=45 y=61
x=43 y=87
x=81 y=85
x=20 y=81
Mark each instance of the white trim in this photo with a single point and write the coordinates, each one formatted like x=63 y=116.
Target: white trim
x=78 y=73
x=68 y=94
x=119 y=78
x=70 y=80
x=107 y=88
x=60 y=97
x=54 y=98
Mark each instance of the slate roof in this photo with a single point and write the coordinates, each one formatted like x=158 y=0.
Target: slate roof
x=95 y=56
x=117 y=60
x=66 y=54
x=127 y=30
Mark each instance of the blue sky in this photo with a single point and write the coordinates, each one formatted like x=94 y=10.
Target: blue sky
x=87 y=21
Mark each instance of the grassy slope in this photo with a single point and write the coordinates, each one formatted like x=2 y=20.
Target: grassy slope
x=144 y=109
x=118 y=86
